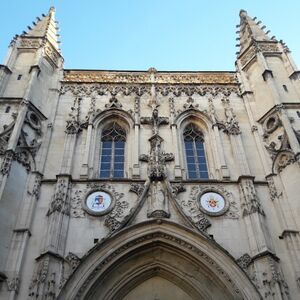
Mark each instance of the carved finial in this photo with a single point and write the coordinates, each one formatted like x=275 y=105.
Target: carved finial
x=152 y=70
x=243 y=13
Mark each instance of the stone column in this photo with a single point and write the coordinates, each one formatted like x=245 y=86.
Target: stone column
x=177 y=168
x=221 y=162
x=136 y=144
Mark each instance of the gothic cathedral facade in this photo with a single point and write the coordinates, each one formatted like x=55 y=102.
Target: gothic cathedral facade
x=149 y=184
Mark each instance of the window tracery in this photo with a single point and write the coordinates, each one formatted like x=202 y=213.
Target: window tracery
x=113 y=139
x=195 y=152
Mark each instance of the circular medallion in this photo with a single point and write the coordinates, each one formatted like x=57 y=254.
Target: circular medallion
x=212 y=203
x=98 y=203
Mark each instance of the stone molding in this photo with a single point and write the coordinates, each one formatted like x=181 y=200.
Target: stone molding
x=164 y=232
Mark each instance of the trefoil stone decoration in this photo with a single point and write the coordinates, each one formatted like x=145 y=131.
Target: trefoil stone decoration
x=113 y=103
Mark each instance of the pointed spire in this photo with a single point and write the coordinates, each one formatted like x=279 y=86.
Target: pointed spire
x=46 y=27
x=250 y=30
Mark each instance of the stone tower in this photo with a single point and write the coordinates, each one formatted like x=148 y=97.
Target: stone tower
x=149 y=184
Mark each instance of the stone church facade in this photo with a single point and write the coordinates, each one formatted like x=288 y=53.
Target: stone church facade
x=148 y=184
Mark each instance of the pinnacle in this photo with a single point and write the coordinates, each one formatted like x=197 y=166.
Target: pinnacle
x=45 y=27
x=249 y=30
x=243 y=13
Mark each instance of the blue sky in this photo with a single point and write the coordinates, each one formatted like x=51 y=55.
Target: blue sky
x=138 y=34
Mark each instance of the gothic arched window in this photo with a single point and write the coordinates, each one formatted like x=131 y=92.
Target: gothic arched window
x=113 y=140
x=194 y=152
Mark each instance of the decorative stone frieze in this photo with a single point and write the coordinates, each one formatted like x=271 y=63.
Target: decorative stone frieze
x=87 y=89
x=30 y=43
x=145 y=77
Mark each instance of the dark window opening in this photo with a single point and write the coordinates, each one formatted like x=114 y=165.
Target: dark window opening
x=7 y=109
x=285 y=88
x=19 y=77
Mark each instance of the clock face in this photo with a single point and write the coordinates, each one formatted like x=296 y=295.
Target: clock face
x=212 y=203
x=98 y=202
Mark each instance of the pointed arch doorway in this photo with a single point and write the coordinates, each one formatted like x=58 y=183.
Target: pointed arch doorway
x=158 y=260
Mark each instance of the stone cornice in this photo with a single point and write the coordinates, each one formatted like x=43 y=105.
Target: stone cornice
x=99 y=76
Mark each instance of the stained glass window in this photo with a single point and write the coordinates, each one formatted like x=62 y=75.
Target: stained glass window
x=194 y=152
x=113 y=140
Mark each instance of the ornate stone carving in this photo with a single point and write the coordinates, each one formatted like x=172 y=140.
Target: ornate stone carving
x=74 y=125
x=73 y=260
x=113 y=103
x=5 y=135
x=115 y=219
x=157 y=159
x=248 y=55
x=244 y=261
x=269 y=279
x=191 y=210
x=137 y=188
x=33 y=120
x=51 y=53
x=30 y=43
x=268 y=47
x=13 y=284
x=250 y=202
x=39 y=278
x=232 y=211
x=117 y=216
x=23 y=157
x=177 y=188
x=283 y=159
x=155 y=121
x=158 y=204
x=271 y=124
x=147 y=77
x=231 y=124
x=59 y=202
x=190 y=104
x=7 y=161
x=158 y=235
x=272 y=189
x=76 y=205
x=172 y=106
x=87 y=89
